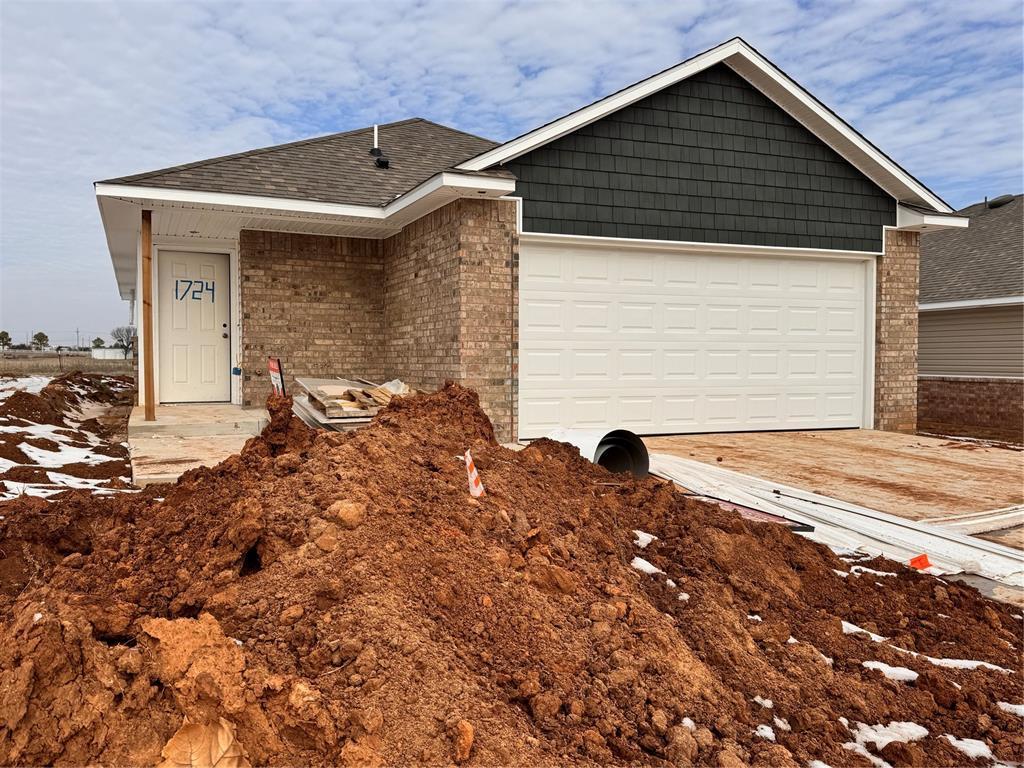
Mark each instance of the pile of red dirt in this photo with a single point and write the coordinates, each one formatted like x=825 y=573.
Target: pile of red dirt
x=74 y=413
x=327 y=598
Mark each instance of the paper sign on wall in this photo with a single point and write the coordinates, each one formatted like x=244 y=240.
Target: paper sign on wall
x=276 y=375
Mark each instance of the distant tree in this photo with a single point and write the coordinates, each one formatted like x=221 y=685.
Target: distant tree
x=98 y=343
x=40 y=340
x=5 y=339
x=123 y=336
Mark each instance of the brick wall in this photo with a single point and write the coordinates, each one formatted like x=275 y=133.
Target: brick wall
x=896 y=291
x=450 y=303
x=315 y=302
x=972 y=407
x=437 y=301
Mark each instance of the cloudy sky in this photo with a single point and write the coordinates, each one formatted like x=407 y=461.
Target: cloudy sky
x=93 y=90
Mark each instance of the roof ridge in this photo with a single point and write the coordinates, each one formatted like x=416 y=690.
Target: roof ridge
x=264 y=150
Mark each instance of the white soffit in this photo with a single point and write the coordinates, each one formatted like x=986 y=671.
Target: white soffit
x=764 y=76
x=183 y=213
x=1002 y=301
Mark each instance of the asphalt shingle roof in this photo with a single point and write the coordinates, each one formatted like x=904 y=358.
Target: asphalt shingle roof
x=984 y=261
x=330 y=169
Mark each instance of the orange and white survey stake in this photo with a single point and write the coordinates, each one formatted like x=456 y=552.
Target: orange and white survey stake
x=476 y=488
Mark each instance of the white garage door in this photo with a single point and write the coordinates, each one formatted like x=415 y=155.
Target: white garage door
x=669 y=342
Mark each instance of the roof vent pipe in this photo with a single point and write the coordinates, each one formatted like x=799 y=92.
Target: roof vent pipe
x=376 y=151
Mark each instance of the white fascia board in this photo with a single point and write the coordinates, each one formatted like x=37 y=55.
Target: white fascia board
x=734 y=53
x=680 y=246
x=1003 y=301
x=461 y=183
x=911 y=219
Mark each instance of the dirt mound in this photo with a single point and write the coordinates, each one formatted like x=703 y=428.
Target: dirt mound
x=327 y=598
x=77 y=422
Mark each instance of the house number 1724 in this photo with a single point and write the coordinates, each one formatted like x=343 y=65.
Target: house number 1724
x=193 y=289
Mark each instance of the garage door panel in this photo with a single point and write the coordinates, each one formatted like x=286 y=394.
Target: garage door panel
x=663 y=342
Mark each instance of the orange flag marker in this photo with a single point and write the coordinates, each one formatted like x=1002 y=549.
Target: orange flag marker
x=920 y=562
x=476 y=488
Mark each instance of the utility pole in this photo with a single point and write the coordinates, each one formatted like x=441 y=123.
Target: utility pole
x=78 y=340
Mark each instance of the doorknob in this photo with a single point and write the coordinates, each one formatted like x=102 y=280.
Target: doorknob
x=224 y=335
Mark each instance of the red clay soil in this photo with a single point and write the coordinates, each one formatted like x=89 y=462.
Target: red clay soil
x=326 y=599
x=56 y=405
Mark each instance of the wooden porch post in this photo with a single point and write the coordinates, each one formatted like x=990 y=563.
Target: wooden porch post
x=147 y=314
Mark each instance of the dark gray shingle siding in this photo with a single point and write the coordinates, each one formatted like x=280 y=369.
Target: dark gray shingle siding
x=709 y=159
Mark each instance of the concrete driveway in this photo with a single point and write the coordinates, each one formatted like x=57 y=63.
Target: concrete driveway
x=907 y=475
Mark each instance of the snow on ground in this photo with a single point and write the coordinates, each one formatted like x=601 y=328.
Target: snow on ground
x=1013 y=709
x=73 y=444
x=643 y=539
x=33 y=384
x=853 y=629
x=765 y=732
x=893 y=673
x=971 y=747
x=642 y=565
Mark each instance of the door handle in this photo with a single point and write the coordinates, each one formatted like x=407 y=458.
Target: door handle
x=224 y=335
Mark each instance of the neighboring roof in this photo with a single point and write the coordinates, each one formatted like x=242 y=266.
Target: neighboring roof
x=770 y=80
x=337 y=168
x=983 y=261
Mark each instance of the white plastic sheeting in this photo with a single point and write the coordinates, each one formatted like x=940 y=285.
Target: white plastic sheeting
x=843 y=525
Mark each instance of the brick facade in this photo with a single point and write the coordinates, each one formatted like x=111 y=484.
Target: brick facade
x=436 y=301
x=896 y=290
x=316 y=302
x=972 y=407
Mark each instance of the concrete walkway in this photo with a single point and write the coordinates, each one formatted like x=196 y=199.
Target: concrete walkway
x=187 y=436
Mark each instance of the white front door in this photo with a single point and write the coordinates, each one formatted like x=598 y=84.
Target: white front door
x=193 y=302
x=662 y=341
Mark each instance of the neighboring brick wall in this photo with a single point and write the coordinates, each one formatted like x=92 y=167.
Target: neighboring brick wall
x=972 y=407
x=450 y=303
x=315 y=302
x=896 y=291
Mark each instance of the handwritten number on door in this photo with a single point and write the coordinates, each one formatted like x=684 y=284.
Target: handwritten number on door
x=194 y=289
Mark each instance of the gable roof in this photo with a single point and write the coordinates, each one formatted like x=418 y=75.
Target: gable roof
x=770 y=80
x=337 y=168
x=985 y=261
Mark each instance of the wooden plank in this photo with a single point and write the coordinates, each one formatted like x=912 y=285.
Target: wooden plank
x=149 y=391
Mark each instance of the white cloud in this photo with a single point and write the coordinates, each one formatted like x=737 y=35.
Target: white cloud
x=95 y=90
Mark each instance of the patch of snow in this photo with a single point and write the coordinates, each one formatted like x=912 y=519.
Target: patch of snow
x=33 y=384
x=973 y=748
x=670 y=583
x=754 y=617
x=765 y=732
x=36 y=617
x=881 y=735
x=853 y=629
x=643 y=539
x=791 y=640
x=845 y=722
x=782 y=724
x=818 y=764
x=683 y=596
x=827 y=659
x=857 y=570
x=689 y=724
x=893 y=673
x=969 y=664
x=840 y=574
x=1013 y=709
x=860 y=750
x=14 y=490
x=65 y=454
x=642 y=565
x=766 y=703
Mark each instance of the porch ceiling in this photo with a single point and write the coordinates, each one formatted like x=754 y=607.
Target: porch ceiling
x=183 y=215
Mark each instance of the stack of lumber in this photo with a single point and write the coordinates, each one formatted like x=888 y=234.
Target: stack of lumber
x=342 y=404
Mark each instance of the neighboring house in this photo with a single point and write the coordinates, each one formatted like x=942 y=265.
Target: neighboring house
x=710 y=249
x=972 y=324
